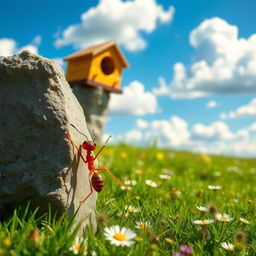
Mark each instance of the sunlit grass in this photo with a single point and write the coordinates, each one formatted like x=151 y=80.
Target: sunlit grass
x=178 y=209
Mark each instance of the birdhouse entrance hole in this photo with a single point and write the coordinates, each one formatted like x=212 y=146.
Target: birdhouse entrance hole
x=107 y=65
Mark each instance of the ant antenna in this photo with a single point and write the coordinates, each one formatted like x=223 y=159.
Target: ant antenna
x=80 y=132
x=93 y=135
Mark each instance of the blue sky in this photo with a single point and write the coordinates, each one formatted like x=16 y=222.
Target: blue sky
x=183 y=56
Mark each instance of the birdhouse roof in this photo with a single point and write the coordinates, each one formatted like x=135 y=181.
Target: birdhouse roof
x=95 y=49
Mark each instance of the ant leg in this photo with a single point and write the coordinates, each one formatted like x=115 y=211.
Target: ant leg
x=111 y=175
x=82 y=201
x=72 y=142
x=75 y=146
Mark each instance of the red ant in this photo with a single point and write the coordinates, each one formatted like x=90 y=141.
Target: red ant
x=95 y=179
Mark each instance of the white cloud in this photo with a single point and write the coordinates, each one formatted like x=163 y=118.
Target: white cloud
x=172 y=132
x=10 y=47
x=141 y=124
x=118 y=20
x=222 y=63
x=134 y=101
x=216 y=138
x=212 y=104
x=248 y=110
x=217 y=131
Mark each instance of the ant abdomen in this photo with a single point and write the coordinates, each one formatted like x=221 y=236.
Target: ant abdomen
x=97 y=182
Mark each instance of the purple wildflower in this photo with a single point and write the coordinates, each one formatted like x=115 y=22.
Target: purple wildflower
x=186 y=250
x=178 y=254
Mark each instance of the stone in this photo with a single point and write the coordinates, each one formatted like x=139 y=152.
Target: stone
x=94 y=102
x=37 y=162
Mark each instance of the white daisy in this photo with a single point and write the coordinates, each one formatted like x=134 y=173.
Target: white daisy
x=131 y=209
x=151 y=183
x=203 y=222
x=79 y=246
x=142 y=225
x=130 y=182
x=202 y=208
x=119 y=236
x=228 y=246
x=164 y=176
x=126 y=187
x=244 y=221
x=211 y=187
x=223 y=217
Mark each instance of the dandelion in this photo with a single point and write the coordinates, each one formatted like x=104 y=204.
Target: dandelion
x=202 y=208
x=131 y=209
x=119 y=236
x=223 y=217
x=78 y=246
x=6 y=242
x=203 y=222
x=244 y=221
x=137 y=197
x=228 y=246
x=211 y=187
x=123 y=154
x=151 y=183
x=142 y=225
x=160 y=156
x=164 y=176
x=130 y=182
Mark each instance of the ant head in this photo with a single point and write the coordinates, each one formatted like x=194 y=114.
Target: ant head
x=89 y=145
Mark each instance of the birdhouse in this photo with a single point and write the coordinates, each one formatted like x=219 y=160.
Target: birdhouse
x=97 y=66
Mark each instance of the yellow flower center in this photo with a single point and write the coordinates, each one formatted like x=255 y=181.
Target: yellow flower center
x=78 y=248
x=224 y=218
x=119 y=237
x=203 y=222
x=6 y=241
x=142 y=225
x=131 y=210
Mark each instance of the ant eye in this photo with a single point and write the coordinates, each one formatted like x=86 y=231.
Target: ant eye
x=95 y=144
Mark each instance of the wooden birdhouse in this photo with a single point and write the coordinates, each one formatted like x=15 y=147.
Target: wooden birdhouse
x=97 y=66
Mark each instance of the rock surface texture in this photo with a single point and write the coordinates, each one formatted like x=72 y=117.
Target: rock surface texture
x=94 y=102
x=37 y=162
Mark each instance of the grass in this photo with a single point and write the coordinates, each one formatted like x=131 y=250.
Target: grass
x=170 y=208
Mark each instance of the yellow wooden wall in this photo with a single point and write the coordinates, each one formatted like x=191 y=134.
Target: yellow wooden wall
x=78 y=69
x=96 y=74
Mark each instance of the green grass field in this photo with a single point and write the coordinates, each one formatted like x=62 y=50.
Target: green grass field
x=160 y=210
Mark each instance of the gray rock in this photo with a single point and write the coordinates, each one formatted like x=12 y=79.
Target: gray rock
x=94 y=102
x=37 y=162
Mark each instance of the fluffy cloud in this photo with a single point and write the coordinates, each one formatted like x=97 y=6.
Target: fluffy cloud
x=248 y=110
x=222 y=63
x=173 y=132
x=134 y=101
x=216 y=138
x=141 y=124
x=118 y=20
x=10 y=47
x=212 y=104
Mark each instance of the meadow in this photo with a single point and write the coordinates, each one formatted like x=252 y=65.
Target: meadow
x=174 y=203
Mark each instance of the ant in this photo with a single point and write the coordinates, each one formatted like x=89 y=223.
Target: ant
x=95 y=179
